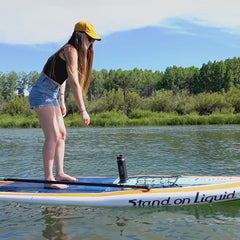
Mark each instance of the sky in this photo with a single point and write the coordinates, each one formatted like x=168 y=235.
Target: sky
x=148 y=35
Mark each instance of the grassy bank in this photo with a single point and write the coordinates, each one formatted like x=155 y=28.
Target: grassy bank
x=118 y=119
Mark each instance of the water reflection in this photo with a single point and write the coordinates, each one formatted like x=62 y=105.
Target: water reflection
x=217 y=221
x=142 y=223
x=54 y=229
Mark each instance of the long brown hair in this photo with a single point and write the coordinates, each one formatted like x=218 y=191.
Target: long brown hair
x=79 y=41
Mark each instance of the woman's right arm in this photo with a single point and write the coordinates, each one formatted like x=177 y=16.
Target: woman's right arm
x=71 y=57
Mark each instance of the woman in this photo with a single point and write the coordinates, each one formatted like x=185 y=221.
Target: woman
x=73 y=62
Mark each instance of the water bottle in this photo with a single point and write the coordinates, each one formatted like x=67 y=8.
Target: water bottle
x=122 y=169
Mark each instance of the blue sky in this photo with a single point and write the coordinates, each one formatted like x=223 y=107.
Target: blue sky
x=135 y=34
x=157 y=48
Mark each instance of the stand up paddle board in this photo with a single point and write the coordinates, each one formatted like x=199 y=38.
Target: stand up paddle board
x=136 y=191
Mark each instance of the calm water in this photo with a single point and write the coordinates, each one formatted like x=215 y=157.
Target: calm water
x=203 y=150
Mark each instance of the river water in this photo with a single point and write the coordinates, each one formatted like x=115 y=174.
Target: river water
x=198 y=150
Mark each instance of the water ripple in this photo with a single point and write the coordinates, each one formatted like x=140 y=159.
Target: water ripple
x=201 y=150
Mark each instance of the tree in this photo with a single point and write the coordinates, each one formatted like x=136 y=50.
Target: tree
x=233 y=69
x=9 y=85
x=113 y=100
x=148 y=82
x=174 y=78
x=96 y=87
x=2 y=80
x=205 y=77
x=22 y=81
x=32 y=78
x=192 y=80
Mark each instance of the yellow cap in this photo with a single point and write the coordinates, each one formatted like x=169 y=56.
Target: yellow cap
x=87 y=28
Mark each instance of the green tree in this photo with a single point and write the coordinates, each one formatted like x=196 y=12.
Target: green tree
x=113 y=100
x=149 y=82
x=109 y=82
x=9 y=85
x=31 y=79
x=219 y=77
x=205 y=77
x=174 y=78
x=214 y=77
x=233 y=69
x=22 y=81
x=2 y=80
x=192 y=80
x=123 y=81
x=96 y=87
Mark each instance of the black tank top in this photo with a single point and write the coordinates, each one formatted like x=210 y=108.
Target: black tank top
x=59 y=72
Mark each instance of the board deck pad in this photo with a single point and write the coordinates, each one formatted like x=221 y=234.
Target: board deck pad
x=152 y=181
x=39 y=187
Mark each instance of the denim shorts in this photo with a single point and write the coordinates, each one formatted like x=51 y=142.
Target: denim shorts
x=44 y=93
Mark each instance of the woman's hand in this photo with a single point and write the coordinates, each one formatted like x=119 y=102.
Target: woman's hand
x=85 y=118
x=63 y=109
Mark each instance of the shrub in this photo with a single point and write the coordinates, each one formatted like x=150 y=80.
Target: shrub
x=17 y=105
x=183 y=103
x=207 y=103
x=132 y=101
x=162 y=101
x=233 y=98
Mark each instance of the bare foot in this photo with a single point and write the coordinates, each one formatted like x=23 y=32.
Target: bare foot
x=65 y=177
x=56 y=186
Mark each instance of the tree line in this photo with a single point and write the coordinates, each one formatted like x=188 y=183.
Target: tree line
x=212 y=87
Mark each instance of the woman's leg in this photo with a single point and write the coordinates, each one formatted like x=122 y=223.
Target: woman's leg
x=60 y=151
x=49 y=120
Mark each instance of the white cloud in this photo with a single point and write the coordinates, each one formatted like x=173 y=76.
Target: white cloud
x=34 y=21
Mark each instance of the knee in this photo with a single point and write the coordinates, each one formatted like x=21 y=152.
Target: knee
x=59 y=135
x=62 y=135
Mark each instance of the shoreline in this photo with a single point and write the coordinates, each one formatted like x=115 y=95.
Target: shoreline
x=118 y=119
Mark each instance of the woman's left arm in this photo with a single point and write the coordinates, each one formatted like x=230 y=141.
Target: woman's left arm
x=62 y=99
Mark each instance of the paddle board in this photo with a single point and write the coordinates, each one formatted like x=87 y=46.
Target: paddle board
x=162 y=191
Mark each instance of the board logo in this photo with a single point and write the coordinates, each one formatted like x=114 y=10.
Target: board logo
x=197 y=199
